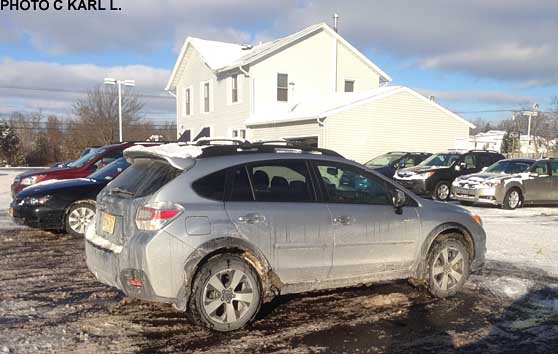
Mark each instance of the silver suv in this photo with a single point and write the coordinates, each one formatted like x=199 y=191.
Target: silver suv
x=219 y=230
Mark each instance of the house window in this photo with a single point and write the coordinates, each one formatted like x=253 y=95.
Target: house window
x=282 y=87
x=206 y=103
x=349 y=85
x=239 y=133
x=234 y=88
x=187 y=101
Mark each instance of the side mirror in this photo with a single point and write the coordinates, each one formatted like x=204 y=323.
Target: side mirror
x=533 y=174
x=398 y=199
x=92 y=168
x=401 y=165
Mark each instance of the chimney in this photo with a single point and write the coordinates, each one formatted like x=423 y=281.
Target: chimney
x=432 y=98
x=335 y=21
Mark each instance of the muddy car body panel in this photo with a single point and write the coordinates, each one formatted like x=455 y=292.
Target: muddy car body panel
x=294 y=247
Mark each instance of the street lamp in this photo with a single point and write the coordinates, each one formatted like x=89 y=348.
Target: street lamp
x=112 y=82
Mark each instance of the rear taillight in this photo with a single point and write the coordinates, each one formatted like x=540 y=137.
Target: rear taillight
x=152 y=217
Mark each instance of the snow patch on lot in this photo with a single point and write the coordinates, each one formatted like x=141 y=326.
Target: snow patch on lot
x=6 y=178
x=510 y=287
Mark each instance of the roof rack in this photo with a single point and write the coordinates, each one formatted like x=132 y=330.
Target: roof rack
x=490 y=151
x=209 y=141
x=262 y=147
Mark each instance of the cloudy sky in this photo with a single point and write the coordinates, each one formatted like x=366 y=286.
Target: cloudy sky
x=478 y=57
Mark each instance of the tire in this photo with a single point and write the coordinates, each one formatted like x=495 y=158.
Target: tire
x=77 y=218
x=214 y=299
x=442 y=191
x=513 y=199
x=448 y=267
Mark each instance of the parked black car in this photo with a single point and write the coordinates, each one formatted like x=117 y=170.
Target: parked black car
x=435 y=175
x=65 y=204
x=388 y=163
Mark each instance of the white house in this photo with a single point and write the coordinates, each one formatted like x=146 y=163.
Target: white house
x=312 y=86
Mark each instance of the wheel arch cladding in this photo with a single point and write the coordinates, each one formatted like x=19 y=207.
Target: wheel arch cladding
x=447 y=230
x=269 y=280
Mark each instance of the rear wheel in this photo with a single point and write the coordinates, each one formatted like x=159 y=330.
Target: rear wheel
x=78 y=218
x=442 y=191
x=448 y=267
x=226 y=294
x=512 y=200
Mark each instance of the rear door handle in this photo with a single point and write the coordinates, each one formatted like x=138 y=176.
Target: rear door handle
x=343 y=220
x=252 y=218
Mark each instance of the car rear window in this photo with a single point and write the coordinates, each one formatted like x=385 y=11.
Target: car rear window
x=211 y=186
x=145 y=177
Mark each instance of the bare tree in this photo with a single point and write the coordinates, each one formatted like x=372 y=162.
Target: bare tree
x=98 y=113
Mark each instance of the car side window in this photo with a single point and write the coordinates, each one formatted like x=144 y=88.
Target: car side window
x=554 y=167
x=350 y=185
x=409 y=161
x=469 y=161
x=281 y=181
x=109 y=158
x=211 y=186
x=541 y=168
x=240 y=187
x=485 y=160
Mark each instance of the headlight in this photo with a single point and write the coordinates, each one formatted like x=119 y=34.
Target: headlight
x=493 y=183
x=476 y=219
x=28 y=181
x=34 y=201
x=427 y=174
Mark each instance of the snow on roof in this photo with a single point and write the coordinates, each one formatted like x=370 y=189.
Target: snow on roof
x=178 y=155
x=323 y=106
x=222 y=56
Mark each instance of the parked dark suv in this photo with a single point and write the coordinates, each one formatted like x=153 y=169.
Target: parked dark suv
x=387 y=164
x=435 y=175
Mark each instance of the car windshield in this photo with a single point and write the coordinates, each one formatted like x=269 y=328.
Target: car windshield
x=85 y=159
x=384 y=160
x=440 y=160
x=110 y=171
x=509 y=167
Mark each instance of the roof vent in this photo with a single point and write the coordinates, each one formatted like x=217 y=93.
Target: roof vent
x=335 y=21
x=432 y=98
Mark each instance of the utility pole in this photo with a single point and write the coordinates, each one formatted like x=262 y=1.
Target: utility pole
x=531 y=114
x=112 y=82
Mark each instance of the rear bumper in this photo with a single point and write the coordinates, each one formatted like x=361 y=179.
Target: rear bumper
x=142 y=268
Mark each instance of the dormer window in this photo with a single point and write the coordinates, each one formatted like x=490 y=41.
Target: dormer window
x=282 y=87
x=349 y=85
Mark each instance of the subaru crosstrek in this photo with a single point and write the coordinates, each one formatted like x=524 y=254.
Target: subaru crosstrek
x=217 y=231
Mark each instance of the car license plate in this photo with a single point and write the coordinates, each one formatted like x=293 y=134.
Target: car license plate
x=108 y=223
x=12 y=212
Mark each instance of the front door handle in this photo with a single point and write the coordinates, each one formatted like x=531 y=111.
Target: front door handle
x=252 y=218
x=343 y=220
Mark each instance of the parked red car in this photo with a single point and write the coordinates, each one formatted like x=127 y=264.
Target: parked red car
x=80 y=168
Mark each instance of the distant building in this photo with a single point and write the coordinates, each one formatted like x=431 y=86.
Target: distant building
x=493 y=139
x=311 y=87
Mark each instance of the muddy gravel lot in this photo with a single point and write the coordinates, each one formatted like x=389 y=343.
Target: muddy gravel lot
x=49 y=302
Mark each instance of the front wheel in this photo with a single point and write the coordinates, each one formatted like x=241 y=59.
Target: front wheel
x=512 y=200
x=226 y=294
x=448 y=267
x=79 y=216
x=442 y=191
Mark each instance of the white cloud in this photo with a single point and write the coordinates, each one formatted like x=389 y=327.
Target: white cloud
x=65 y=83
x=479 y=97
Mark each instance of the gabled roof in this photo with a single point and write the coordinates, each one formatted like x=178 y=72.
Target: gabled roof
x=322 y=107
x=221 y=56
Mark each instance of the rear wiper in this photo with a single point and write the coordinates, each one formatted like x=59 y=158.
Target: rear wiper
x=122 y=192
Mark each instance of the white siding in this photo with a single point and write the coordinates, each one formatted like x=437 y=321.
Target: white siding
x=223 y=116
x=310 y=66
x=351 y=67
x=398 y=122
x=290 y=130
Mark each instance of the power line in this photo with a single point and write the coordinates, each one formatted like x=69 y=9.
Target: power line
x=45 y=89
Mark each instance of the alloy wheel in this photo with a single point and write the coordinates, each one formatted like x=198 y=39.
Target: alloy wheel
x=228 y=295
x=448 y=268
x=79 y=218
x=513 y=199
x=443 y=192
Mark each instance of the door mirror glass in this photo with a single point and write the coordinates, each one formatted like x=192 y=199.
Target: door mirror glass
x=398 y=199
x=534 y=174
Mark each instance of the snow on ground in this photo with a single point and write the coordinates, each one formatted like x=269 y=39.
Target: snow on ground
x=6 y=178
